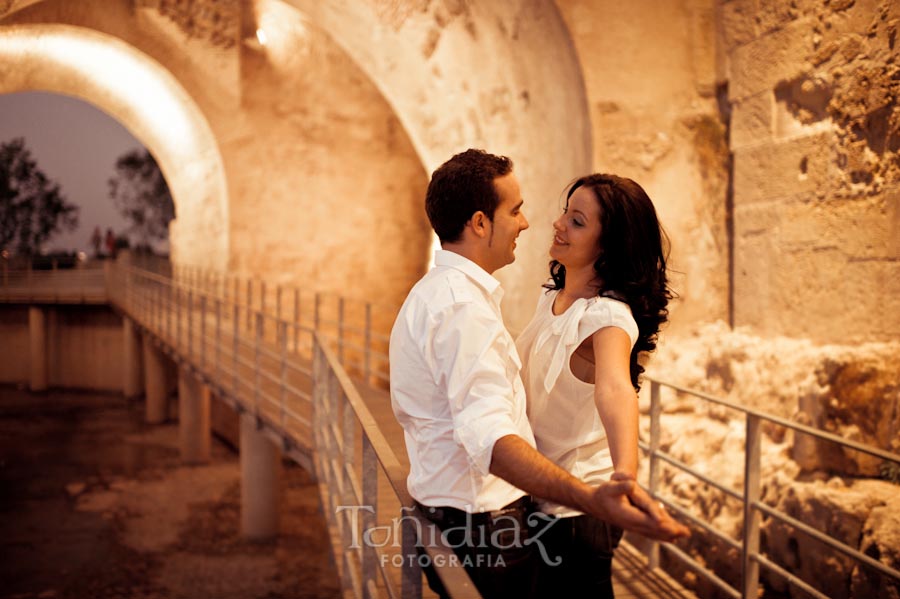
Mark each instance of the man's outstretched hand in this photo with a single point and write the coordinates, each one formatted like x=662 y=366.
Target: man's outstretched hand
x=623 y=502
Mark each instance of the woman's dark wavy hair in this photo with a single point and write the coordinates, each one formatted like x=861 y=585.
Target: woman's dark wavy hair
x=632 y=262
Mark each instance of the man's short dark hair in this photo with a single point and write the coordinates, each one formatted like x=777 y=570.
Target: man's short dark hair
x=461 y=187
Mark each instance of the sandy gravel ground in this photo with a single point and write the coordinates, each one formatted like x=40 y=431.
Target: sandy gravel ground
x=95 y=504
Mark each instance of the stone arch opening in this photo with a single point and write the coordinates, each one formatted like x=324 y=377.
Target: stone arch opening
x=501 y=76
x=145 y=98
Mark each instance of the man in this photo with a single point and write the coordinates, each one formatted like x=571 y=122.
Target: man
x=455 y=389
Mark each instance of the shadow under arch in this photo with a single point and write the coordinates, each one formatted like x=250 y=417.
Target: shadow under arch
x=144 y=97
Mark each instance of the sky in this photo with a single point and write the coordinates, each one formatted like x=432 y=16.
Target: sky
x=76 y=145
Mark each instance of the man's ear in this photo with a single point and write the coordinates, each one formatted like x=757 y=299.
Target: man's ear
x=479 y=223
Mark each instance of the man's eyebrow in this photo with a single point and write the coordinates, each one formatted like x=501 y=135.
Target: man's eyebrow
x=519 y=205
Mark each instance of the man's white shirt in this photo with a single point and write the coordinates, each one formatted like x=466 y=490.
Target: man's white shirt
x=455 y=386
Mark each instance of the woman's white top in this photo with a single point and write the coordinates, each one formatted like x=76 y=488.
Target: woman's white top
x=561 y=407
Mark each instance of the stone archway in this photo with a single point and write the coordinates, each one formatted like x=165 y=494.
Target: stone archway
x=501 y=76
x=147 y=100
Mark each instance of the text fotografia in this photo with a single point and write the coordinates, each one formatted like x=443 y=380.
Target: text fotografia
x=503 y=532
x=424 y=560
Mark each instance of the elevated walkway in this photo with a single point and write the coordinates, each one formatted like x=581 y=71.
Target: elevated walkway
x=310 y=371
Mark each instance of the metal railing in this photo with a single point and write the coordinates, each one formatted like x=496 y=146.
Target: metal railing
x=290 y=376
x=253 y=368
x=294 y=358
x=356 y=328
x=749 y=546
x=364 y=492
x=52 y=286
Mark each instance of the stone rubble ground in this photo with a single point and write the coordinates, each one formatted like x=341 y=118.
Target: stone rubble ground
x=852 y=391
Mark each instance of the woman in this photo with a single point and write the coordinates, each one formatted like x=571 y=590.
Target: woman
x=581 y=352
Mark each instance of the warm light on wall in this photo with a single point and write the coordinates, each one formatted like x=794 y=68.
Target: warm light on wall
x=281 y=30
x=146 y=98
x=132 y=79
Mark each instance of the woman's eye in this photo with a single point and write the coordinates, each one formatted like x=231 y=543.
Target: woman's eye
x=577 y=222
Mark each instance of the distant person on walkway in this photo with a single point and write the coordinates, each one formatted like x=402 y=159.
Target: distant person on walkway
x=96 y=241
x=110 y=243
x=605 y=301
x=456 y=390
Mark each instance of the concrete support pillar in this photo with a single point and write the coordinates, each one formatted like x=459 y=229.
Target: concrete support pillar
x=156 y=383
x=194 y=437
x=37 y=331
x=260 y=473
x=133 y=382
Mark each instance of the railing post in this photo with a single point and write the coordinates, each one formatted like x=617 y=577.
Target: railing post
x=369 y=518
x=256 y=362
x=218 y=350
x=235 y=348
x=317 y=390
x=282 y=341
x=341 y=330
x=203 y=332
x=655 y=413
x=190 y=324
x=278 y=303
x=178 y=312
x=752 y=516
x=316 y=315
x=169 y=287
x=367 y=356
x=262 y=304
x=347 y=463
x=296 y=320
x=249 y=304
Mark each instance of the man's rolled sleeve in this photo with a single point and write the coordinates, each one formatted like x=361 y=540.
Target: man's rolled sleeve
x=475 y=366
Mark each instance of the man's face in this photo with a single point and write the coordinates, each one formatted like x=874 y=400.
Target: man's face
x=508 y=222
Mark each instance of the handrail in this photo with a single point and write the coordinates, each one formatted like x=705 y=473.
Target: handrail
x=791 y=424
x=58 y=286
x=753 y=507
x=340 y=416
x=242 y=353
x=231 y=335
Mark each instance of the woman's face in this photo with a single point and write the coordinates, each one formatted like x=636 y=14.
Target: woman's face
x=576 y=239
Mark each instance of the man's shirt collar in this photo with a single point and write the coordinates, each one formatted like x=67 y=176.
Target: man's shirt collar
x=484 y=279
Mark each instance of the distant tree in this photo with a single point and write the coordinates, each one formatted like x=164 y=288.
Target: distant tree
x=32 y=208
x=142 y=196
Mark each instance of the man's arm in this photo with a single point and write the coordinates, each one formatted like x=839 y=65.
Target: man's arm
x=518 y=463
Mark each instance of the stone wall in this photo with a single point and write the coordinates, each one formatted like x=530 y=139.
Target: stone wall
x=335 y=199
x=848 y=390
x=502 y=76
x=317 y=167
x=650 y=75
x=815 y=131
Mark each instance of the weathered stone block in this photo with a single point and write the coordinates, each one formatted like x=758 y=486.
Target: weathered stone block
x=737 y=23
x=792 y=253
x=780 y=55
x=774 y=14
x=792 y=168
x=841 y=511
x=751 y=120
x=881 y=541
